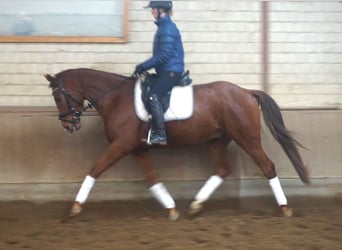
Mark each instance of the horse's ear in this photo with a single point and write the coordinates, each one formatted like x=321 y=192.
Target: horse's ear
x=49 y=78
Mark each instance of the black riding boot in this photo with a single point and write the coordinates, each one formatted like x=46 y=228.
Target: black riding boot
x=158 y=135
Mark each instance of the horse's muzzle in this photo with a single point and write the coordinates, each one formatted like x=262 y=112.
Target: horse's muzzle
x=70 y=127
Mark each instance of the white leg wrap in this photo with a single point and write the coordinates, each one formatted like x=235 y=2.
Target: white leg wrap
x=278 y=191
x=85 y=189
x=162 y=195
x=208 y=189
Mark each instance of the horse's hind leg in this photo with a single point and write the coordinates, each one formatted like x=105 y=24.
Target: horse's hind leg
x=217 y=151
x=257 y=153
x=157 y=189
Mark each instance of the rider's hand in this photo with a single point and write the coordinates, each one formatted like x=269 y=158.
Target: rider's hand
x=139 y=69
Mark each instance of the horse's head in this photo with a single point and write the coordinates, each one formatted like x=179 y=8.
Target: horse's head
x=69 y=103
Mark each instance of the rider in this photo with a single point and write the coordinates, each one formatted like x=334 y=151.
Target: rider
x=168 y=62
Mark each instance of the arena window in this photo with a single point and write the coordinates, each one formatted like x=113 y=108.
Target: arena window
x=97 y=21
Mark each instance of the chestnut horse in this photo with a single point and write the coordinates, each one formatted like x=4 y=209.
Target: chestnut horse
x=223 y=112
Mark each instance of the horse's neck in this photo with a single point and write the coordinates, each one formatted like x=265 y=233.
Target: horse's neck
x=101 y=91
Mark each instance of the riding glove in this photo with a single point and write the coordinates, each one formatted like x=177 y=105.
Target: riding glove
x=139 y=69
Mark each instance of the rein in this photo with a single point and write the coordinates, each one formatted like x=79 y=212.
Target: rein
x=94 y=103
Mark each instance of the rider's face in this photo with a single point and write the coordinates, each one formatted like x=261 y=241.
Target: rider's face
x=154 y=12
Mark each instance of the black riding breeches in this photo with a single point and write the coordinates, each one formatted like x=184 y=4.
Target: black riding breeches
x=164 y=82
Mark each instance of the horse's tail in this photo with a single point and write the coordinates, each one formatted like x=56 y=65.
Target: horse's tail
x=274 y=121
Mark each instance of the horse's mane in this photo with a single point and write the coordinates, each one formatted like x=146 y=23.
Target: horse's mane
x=58 y=75
x=56 y=78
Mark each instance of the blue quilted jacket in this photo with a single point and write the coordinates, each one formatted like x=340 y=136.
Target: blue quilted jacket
x=168 y=52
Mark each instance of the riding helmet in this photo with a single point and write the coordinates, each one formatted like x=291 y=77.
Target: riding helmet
x=167 y=5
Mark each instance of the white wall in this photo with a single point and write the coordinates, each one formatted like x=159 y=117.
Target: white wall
x=222 y=40
x=306 y=53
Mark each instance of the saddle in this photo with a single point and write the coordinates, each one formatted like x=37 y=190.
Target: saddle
x=183 y=81
x=178 y=103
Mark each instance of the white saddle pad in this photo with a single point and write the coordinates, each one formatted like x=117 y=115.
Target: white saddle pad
x=181 y=103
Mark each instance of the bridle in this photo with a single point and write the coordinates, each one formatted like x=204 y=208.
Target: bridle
x=76 y=114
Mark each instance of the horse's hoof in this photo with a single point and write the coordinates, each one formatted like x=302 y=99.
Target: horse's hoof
x=173 y=214
x=195 y=208
x=287 y=212
x=75 y=209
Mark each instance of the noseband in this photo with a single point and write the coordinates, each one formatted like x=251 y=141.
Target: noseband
x=76 y=114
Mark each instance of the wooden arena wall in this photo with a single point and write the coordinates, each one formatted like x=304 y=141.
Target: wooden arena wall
x=39 y=161
x=291 y=49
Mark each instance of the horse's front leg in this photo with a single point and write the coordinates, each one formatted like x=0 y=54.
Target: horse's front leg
x=157 y=189
x=112 y=154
